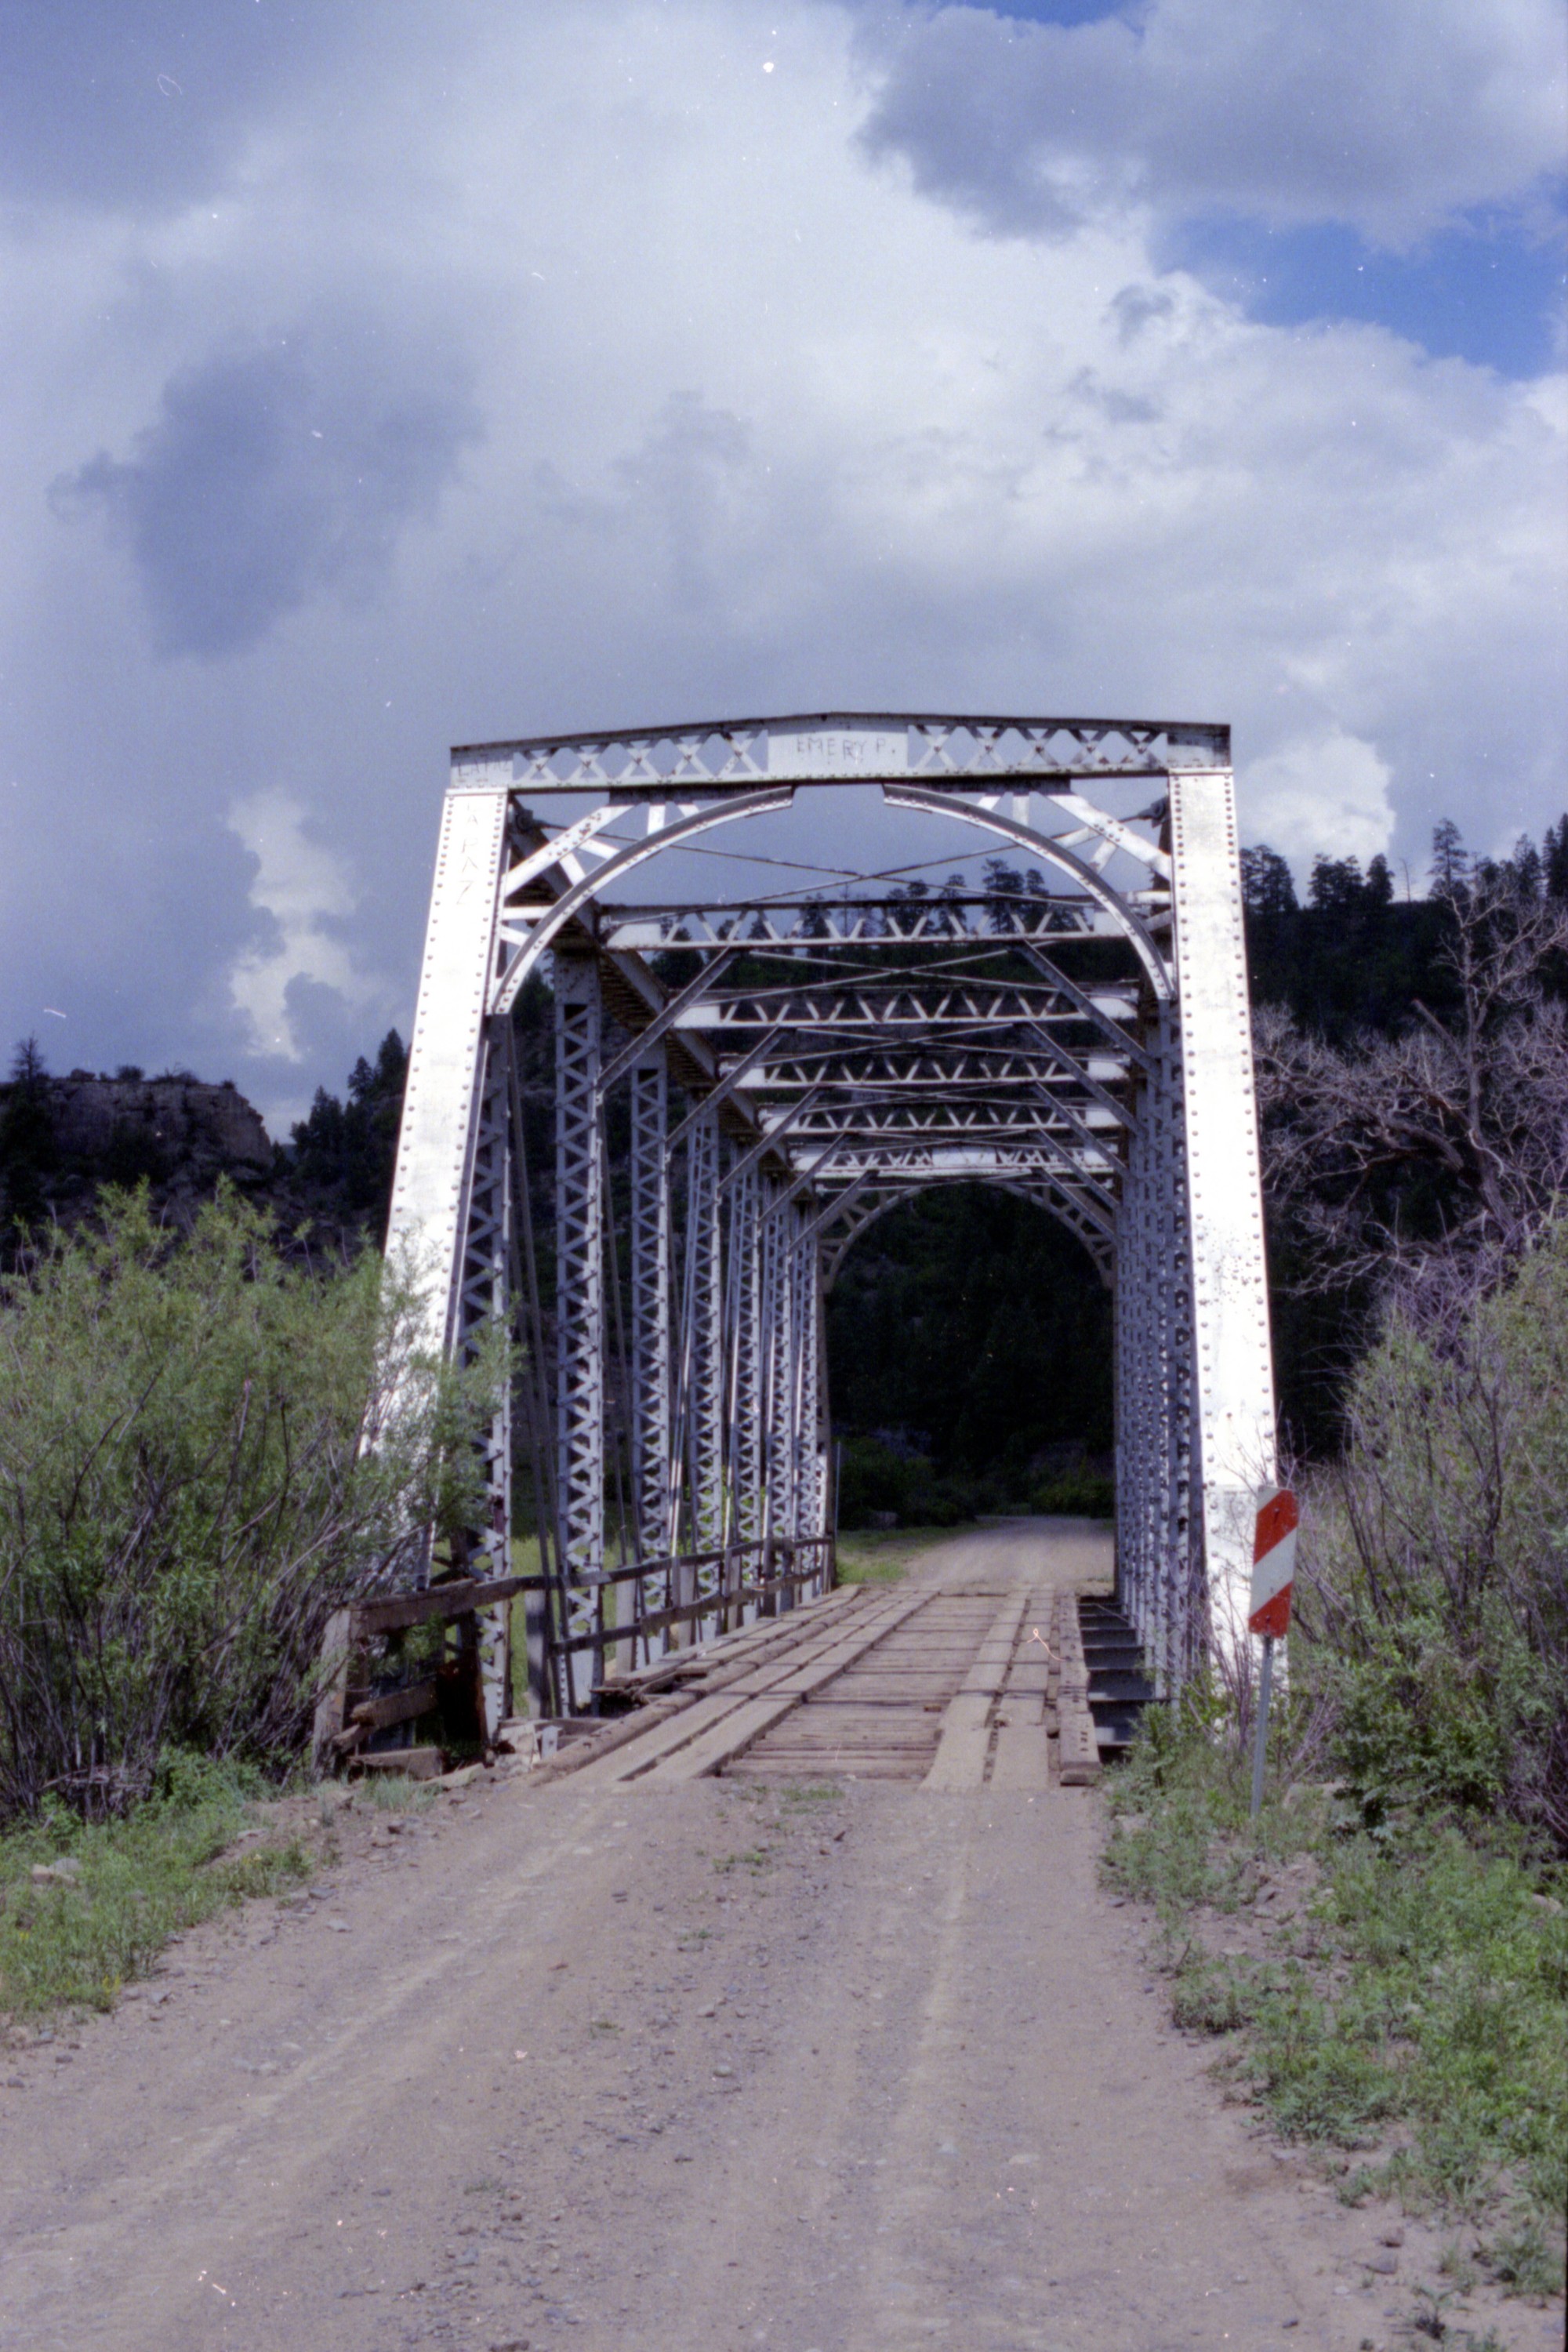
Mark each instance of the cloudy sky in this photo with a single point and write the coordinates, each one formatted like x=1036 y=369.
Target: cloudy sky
x=384 y=374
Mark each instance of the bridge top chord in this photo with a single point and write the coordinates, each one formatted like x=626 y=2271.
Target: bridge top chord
x=841 y=747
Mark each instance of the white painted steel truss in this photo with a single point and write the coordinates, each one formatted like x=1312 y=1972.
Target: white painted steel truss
x=793 y=1061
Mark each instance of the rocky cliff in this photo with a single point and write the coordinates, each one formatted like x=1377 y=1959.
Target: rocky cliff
x=62 y=1138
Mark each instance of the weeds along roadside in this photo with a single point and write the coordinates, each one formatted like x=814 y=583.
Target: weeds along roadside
x=1395 y=1998
x=881 y=1555
x=86 y=1907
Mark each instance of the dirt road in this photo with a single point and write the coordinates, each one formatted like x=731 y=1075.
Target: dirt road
x=845 y=2065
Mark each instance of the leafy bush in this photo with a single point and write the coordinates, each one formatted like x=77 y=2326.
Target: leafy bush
x=1435 y=1573
x=1079 y=1494
x=202 y=1451
x=873 y=1478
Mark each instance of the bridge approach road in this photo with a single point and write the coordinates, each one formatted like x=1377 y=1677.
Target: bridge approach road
x=832 y=2050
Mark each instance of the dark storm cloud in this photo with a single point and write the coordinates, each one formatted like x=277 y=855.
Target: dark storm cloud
x=144 y=102
x=268 y=477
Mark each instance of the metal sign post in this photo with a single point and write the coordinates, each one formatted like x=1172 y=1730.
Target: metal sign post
x=1273 y=1579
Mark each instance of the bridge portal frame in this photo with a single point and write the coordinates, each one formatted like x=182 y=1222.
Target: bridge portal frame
x=1146 y=1149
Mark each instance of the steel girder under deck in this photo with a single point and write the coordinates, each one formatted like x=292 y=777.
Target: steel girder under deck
x=1078 y=1035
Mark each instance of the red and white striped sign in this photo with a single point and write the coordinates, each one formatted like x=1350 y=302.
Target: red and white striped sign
x=1273 y=1563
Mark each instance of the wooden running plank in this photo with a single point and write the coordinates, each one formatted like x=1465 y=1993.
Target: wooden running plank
x=641 y=1759
x=724 y=1649
x=686 y=1718
x=1023 y=1754
x=716 y=1746
x=1078 y=1761
x=966 y=1741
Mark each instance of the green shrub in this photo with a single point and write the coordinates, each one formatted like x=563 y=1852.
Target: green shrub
x=202 y=1451
x=1422 y=1991
x=1076 y=1494
x=873 y=1479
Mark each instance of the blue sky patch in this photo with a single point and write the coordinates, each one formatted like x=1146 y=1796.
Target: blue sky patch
x=1494 y=297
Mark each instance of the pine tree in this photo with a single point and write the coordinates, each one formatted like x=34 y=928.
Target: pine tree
x=1450 y=861
x=1555 y=859
x=1267 y=884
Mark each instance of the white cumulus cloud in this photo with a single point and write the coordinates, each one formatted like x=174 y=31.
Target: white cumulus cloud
x=305 y=894
x=1318 y=792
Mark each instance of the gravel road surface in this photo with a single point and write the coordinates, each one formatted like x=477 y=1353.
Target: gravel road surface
x=831 y=2066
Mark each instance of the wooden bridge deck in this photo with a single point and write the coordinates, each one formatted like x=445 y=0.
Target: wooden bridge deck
x=951 y=1686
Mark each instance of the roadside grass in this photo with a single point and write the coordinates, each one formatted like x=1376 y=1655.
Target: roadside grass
x=395 y=1792
x=75 y=1939
x=1398 y=1994
x=881 y=1555
x=798 y=1793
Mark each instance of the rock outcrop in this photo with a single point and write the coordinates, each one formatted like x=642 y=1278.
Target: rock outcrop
x=158 y=1127
x=62 y=1138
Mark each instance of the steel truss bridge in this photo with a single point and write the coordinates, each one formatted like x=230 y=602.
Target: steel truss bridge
x=787 y=1062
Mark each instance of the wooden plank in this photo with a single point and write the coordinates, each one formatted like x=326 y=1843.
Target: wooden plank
x=789 y=1683
x=1078 y=1753
x=683 y=1612
x=396 y=1707
x=731 y=1737
x=399 y=1609
x=686 y=1721
x=331 y=1694
x=767 y=1632
x=1022 y=1760
x=807 y=1677
x=701 y=1711
x=1079 y=1750
x=414 y=1763
x=965 y=1741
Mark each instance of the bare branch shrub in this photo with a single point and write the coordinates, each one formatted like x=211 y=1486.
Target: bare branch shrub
x=1434 y=1575
x=186 y=1490
x=1453 y=1137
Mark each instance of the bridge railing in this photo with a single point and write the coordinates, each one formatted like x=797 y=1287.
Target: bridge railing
x=613 y=1623
x=622 y=1618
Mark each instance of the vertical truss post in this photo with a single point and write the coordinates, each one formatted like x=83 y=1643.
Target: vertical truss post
x=1232 y=1357
x=1153 y=1378
x=1185 y=1625
x=544 y=1609
x=778 y=1308
x=448 y=1222
x=705 y=1305
x=1131 y=1343
x=1163 y=1236
x=650 y=1305
x=806 y=1382
x=744 y=1320
x=1169 y=1597
x=813 y=1387
x=580 y=1293
x=483 y=1311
